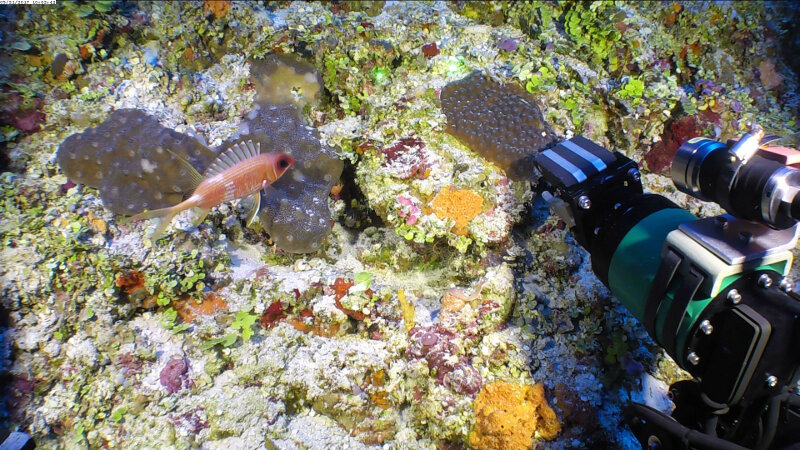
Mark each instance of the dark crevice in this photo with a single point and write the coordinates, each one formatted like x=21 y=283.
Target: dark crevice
x=357 y=213
x=5 y=161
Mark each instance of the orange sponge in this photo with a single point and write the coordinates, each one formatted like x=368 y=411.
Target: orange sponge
x=509 y=415
x=461 y=205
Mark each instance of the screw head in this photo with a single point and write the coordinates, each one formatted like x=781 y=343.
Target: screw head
x=634 y=175
x=653 y=443
x=765 y=281
x=734 y=296
x=693 y=359
x=584 y=202
x=785 y=285
x=745 y=237
x=706 y=327
x=772 y=381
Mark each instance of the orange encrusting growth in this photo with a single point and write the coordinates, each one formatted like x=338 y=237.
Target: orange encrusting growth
x=461 y=205
x=189 y=309
x=237 y=181
x=509 y=415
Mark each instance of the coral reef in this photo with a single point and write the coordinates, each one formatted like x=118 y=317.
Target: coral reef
x=143 y=168
x=294 y=210
x=438 y=285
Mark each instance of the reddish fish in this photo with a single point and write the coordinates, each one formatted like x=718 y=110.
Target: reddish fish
x=239 y=172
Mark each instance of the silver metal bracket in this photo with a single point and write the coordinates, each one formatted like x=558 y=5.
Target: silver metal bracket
x=737 y=241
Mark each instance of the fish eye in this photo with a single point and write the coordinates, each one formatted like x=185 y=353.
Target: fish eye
x=283 y=163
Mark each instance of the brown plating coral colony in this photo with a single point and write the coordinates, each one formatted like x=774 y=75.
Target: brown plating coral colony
x=136 y=164
x=125 y=159
x=500 y=122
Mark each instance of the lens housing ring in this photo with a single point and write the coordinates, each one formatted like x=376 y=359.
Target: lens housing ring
x=687 y=163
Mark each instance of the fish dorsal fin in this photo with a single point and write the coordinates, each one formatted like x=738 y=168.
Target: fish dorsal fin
x=232 y=156
x=190 y=170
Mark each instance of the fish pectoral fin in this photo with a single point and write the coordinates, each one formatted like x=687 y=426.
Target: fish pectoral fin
x=199 y=215
x=253 y=205
x=195 y=176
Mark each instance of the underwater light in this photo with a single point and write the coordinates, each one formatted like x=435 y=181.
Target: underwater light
x=454 y=66
x=380 y=74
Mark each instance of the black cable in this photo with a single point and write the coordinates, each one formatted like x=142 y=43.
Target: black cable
x=771 y=427
x=711 y=425
x=687 y=435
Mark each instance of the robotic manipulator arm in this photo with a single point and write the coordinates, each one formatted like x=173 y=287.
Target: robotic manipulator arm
x=710 y=291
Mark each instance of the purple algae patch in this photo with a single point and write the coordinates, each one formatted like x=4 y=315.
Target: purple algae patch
x=174 y=376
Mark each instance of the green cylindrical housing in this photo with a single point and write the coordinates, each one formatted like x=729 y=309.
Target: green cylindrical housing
x=638 y=257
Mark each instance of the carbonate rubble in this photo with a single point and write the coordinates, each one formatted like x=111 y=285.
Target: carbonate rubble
x=440 y=289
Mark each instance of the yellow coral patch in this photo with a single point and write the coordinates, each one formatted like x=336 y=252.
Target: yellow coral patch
x=409 y=312
x=461 y=205
x=509 y=415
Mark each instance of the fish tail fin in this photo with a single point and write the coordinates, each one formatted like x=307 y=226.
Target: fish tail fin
x=163 y=215
x=200 y=214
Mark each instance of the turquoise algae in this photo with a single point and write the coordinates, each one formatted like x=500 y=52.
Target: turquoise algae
x=386 y=332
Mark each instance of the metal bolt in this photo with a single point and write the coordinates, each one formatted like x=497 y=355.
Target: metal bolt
x=653 y=443
x=693 y=358
x=765 y=281
x=734 y=296
x=785 y=285
x=584 y=202
x=721 y=222
x=772 y=380
x=745 y=237
x=706 y=327
x=634 y=174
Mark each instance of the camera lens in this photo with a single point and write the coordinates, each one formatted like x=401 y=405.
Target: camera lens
x=686 y=167
x=764 y=190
